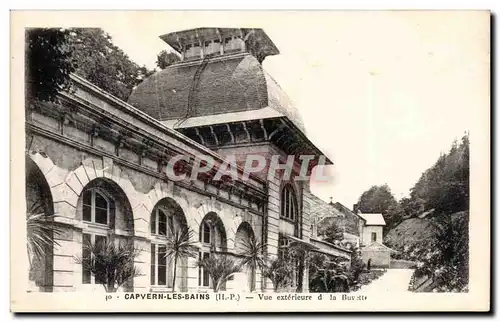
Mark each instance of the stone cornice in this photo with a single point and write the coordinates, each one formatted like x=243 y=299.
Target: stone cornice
x=148 y=120
x=141 y=140
x=256 y=195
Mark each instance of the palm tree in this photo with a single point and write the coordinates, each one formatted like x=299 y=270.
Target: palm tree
x=40 y=232
x=112 y=264
x=279 y=271
x=253 y=255
x=180 y=245
x=220 y=268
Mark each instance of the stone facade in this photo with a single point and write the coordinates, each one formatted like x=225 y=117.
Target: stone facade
x=64 y=160
x=98 y=165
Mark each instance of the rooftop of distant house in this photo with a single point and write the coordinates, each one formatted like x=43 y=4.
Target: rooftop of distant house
x=373 y=219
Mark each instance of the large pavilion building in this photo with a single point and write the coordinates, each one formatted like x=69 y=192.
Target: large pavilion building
x=98 y=164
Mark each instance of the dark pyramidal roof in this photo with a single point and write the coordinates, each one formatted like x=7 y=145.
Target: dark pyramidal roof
x=225 y=84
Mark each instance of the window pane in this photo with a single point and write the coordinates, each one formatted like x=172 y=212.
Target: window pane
x=85 y=259
x=162 y=223
x=206 y=233
x=162 y=268
x=100 y=201
x=206 y=278
x=87 y=197
x=153 y=264
x=153 y=223
x=170 y=225
x=287 y=204
x=101 y=216
x=170 y=276
x=87 y=212
x=100 y=240
x=199 y=271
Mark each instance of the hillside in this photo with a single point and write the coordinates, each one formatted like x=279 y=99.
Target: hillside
x=410 y=231
x=413 y=230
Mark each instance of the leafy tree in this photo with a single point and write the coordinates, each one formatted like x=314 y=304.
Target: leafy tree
x=328 y=274
x=253 y=255
x=112 y=264
x=180 y=245
x=102 y=63
x=445 y=186
x=394 y=216
x=330 y=231
x=443 y=190
x=48 y=63
x=220 y=268
x=445 y=257
x=279 y=271
x=53 y=54
x=165 y=59
x=377 y=199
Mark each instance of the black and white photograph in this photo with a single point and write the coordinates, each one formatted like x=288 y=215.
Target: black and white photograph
x=250 y=161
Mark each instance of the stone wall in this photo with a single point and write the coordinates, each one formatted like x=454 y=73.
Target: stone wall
x=71 y=159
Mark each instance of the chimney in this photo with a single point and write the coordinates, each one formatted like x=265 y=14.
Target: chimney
x=355 y=208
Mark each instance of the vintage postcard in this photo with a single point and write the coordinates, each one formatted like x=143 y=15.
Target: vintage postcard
x=184 y=161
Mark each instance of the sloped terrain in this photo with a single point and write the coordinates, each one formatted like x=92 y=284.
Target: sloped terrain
x=410 y=231
x=417 y=229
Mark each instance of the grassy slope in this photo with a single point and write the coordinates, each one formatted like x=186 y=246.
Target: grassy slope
x=415 y=229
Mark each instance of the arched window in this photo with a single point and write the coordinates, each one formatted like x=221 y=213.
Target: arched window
x=161 y=223
x=288 y=203
x=96 y=207
x=206 y=234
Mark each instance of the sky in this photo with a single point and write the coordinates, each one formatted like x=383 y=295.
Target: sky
x=382 y=93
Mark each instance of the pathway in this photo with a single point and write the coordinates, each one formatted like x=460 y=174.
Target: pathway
x=394 y=280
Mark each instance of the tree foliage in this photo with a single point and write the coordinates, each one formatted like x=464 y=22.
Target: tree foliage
x=253 y=256
x=445 y=186
x=220 y=268
x=102 y=63
x=52 y=54
x=377 y=199
x=110 y=263
x=279 y=271
x=330 y=231
x=443 y=192
x=48 y=62
x=328 y=274
x=40 y=231
x=165 y=59
x=180 y=244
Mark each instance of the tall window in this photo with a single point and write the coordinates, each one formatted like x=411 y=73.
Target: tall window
x=288 y=203
x=96 y=211
x=162 y=223
x=87 y=277
x=374 y=237
x=206 y=245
